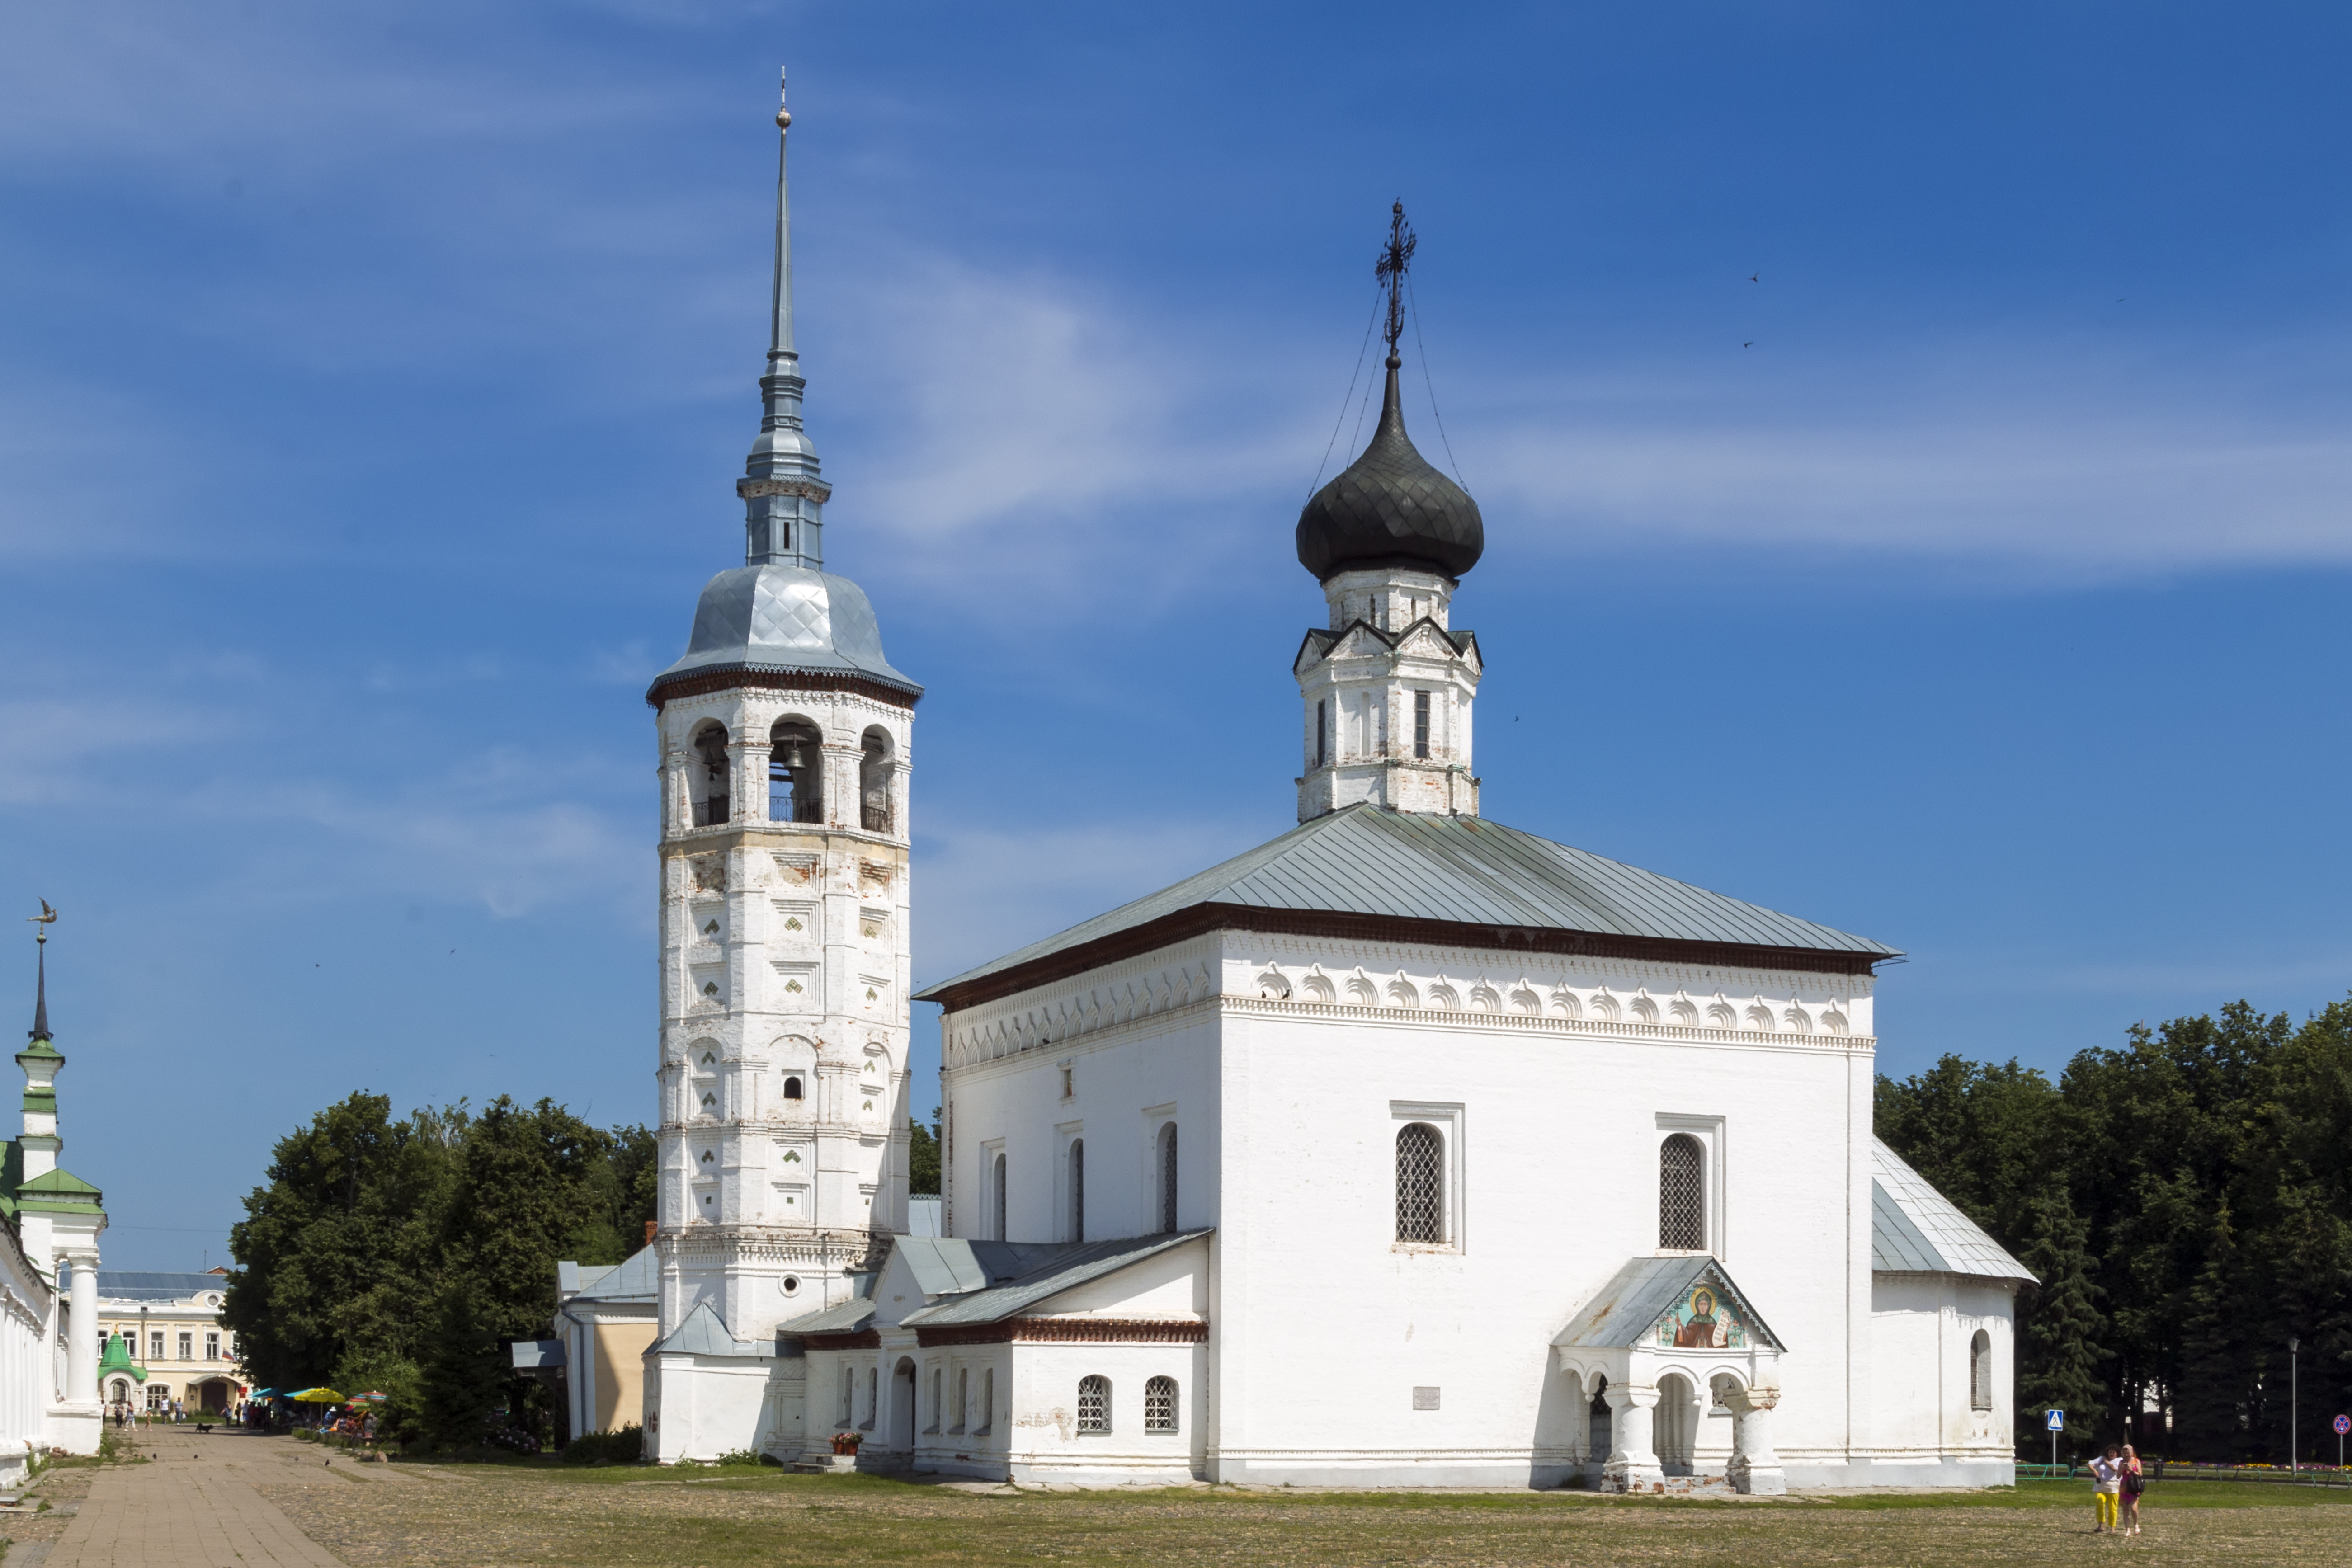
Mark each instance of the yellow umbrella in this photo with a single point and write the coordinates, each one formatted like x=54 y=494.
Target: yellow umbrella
x=317 y=1396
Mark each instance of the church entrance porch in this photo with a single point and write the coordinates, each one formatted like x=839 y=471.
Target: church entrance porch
x=1645 y=1346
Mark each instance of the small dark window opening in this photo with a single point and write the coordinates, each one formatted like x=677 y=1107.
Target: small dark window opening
x=795 y=773
x=792 y=1088
x=1421 y=724
x=874 y=776
x=1322 y=732
x=1002 y=1232
x=1167 y=1177
x=710 y=750
x=1078 y=1189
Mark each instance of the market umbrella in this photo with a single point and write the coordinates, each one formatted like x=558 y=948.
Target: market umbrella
x=317 y=1396
x=370 y=1398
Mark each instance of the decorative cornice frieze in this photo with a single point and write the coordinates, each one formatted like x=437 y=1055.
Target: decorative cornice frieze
x=807 y=490
x=1065 y=1331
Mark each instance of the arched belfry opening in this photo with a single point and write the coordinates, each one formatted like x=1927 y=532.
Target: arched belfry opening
x=873 y=781
x=795 y=772
x=709 y=780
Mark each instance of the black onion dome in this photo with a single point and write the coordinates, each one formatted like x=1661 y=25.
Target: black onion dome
x=1390 y=508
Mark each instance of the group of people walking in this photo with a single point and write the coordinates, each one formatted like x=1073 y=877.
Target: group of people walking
x=2116 y=1485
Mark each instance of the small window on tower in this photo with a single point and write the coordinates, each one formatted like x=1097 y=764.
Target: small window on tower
x=709 y=772
x=1322 y=732
x=792 y=1088
x=1421 y=724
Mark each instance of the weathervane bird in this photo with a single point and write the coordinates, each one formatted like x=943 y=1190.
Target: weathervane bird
x=46 y=917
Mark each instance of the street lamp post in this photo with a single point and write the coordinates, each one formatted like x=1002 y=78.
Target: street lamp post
x=2293 y=1397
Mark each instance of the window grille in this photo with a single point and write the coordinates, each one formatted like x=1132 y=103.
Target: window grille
x=1167 y=1177
x=1094 y=1405
x=1078 y=1189
x=1682 y=1195
x=1160 y=1405
x=1980 y=1372
x=1420 y=1183
x=1421 y=724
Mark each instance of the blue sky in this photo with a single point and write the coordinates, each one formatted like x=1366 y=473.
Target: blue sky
x=375 y=377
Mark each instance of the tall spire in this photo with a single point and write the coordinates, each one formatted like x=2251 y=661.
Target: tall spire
x=41 y=924
x=783 y=496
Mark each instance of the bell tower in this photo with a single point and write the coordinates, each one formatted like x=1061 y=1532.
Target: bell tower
x=784 y=743
x=1388 y=683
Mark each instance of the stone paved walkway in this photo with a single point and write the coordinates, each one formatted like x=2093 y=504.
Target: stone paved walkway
x=193 y=1506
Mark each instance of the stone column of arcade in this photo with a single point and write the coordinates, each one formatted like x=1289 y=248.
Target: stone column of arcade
x=81 y=1333
x=1633 y=1463
x=1755 y=1468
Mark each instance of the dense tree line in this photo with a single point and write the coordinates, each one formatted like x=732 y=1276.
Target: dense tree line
x=397 y=1253
x=2186 y=1200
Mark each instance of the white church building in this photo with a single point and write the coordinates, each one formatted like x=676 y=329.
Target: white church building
x=1407 y=1149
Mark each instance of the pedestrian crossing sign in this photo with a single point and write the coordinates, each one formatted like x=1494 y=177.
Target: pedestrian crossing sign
x=2054 y=1419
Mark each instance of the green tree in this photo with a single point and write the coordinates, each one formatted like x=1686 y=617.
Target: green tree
x=923 y=1155
x=2058 y=1347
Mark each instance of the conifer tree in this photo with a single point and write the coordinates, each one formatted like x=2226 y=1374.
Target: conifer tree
x=2058 y=1349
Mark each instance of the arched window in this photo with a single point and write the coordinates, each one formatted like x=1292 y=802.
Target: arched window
x=1094 y=1405
x=709 y=771
x=874 y=777
x=1420 y=1183
x=996 y=1202
x=939 y=1377
x=987 y=1400
x=1078 y=1189
x=1682 y=1195
x=872 y=1397
x=793 y=1086
x=849 y=1415
x=795 y=772
x=1160 y=1405
x=1322 y=731
x=1167 y=1177
x=963 y=1399
x=1980 y=1372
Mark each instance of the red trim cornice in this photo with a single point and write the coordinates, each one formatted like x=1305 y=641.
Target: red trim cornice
x=1193 y=921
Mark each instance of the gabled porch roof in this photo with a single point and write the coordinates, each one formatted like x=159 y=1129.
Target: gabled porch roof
x=1627 y=1313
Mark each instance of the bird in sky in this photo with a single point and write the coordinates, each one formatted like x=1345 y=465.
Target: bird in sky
x=1749 y=344
x=1755 y=277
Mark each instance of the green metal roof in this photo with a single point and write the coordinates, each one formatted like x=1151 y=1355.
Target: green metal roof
x=703 y=1334
x=1022 y=1275
x=1914 y=1229
x=1465 y=871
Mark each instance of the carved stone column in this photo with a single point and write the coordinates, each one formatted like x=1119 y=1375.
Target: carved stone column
x=1755 y=1468
x=1632 y=1464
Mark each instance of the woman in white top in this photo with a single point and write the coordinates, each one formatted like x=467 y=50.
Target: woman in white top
x=2106 y=1478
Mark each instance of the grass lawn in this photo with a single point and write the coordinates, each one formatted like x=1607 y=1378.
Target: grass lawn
x=528 y=1513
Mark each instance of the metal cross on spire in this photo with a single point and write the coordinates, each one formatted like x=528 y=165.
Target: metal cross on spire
x=1396 y=257
x=41 y=924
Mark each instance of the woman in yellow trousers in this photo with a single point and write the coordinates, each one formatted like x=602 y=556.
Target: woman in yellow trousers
x=2106 y=1484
